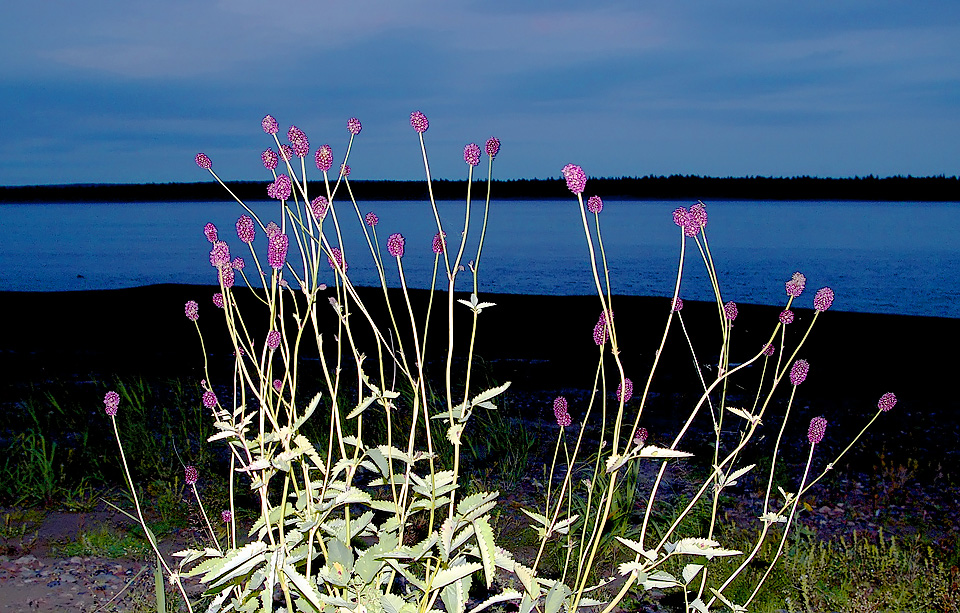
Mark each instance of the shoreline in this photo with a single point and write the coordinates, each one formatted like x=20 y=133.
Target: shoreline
x=543 y=344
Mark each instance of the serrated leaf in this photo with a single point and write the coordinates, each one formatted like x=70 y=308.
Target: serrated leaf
x=303 y=586
x=241 y=562
x=362 y=406
x=774 y=518
x=311 y=407
x=489 y=394
x=690 y=571
x=475 y=505
x=702 y=547
x=731 y=479
x=744 y=414
x=555 y=597
x=652 y=451
x=660 y=580
x=448 y=575
x=487 y=548
x=563 y=526
x=446 y=537
x=637 y=547
x=454 y=596
x=699 y=605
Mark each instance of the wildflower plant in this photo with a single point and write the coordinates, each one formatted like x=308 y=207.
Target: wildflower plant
x=376 y=519
x=336 y=523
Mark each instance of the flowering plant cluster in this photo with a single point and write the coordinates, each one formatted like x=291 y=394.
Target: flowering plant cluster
x=371 y=521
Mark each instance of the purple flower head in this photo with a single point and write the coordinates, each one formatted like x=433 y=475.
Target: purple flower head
x=203 y=161
x=210 y=231
x=277 y=250
x=218 y=300
x=226 y=516
x=219 y=254
x=796 y=284
x=471 y=154
x=277 y=384
x=344 y=170
x=319 y=208
x=226 y=275
x=335 y=259
x=286 y=152
x=192 y=310
x=238 y=263
x=600 y=330
x=273 y=339
x=786 y=317
x=111 y=402
x=245 y=230
x=768 y=350
x=698 y=215
x=419 y=122
x=560 y=412
x=575 y=177
x=299 y=141
x=798 y=372
x=887 y=402
x=439 y=240
x=324 y=157
x=353 y=126
x=372 y=219
x=272 y=229
x=493 y=146
x=190 y=475
x=823 y=299
x=730 y=310
x=681 y=217
x=594 y=204
x=818 y=427
x=270 y=159
x=625 y=389
x=640 y=436
x=395 y=245
x=270 y=125
x=209 y=399
x=281 y=188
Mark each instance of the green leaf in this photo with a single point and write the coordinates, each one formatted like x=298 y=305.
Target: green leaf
x=448 y=575
x=311 y=407
x=731 y=479
x=238 y=563
x=703 y=547
x=475 y=505
x=489 y=394
x=555 y=597
x=455 y=595
x=487 y=548
x=690 y=571
x=637 y=547
x=660 y=579
x=303 y=587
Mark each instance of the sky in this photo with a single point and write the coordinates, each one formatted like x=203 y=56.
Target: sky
x=128 y=92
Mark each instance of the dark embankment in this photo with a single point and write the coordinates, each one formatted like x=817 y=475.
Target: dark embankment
x=542 y=344
x=673 y=187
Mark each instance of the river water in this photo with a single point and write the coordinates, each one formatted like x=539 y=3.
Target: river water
x=879 y=257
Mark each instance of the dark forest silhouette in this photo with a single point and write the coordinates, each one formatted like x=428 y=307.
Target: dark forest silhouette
x=674 y=187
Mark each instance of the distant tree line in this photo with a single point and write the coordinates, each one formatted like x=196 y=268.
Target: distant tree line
x=673 y=187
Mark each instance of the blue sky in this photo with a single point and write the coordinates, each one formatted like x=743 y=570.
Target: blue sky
x=130 y=91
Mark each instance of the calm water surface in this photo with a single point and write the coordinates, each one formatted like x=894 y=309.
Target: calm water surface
x=879 y=257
